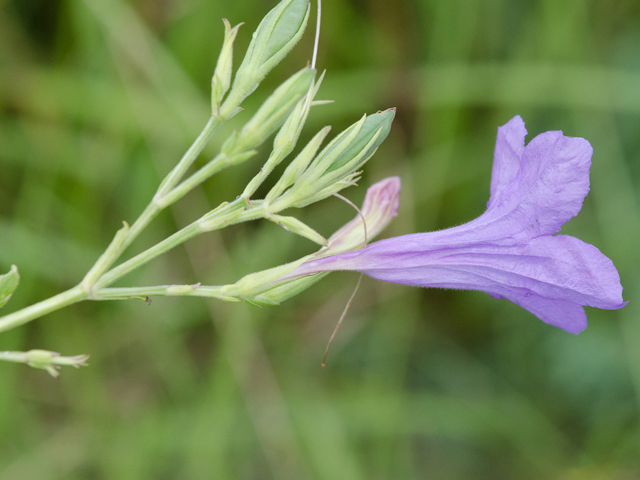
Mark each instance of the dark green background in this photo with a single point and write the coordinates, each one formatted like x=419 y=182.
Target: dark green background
x=99 y=98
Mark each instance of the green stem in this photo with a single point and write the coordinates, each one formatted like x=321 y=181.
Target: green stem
x=219 y=218
x=17 y=357
x=190 y=155
x=122 y=240
x=164 y=246
x=39 y=309
x=211 y=168
x=118 y=246
x=162 y=291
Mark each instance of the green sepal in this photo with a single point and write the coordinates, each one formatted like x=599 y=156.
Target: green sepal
x=8 y=284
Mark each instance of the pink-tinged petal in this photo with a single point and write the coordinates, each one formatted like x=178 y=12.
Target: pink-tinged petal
x=379 y=208
x=506 y=157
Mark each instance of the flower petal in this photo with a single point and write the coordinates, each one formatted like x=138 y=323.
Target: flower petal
x=546 y=271
x=547 y=191
x=565 y=315
x=506 y=156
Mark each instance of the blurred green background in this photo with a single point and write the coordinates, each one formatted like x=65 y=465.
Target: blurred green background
x=99 y=98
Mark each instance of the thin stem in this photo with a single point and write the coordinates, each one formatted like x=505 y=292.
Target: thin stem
x=119 y=245
x=189 y=157
x=164 y=246
x=17 y=357
x=218 y=163
x=162 y=291
x=39 y=309
x=219 y=219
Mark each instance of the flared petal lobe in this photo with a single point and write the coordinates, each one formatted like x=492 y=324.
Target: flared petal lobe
x=506 y=156
x=548 y=187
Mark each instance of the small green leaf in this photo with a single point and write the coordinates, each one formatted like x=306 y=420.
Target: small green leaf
x=8 y=284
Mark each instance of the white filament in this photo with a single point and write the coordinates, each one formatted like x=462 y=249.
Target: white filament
x=315 y=45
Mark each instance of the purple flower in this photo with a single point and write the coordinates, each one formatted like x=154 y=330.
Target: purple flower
x=510 y=251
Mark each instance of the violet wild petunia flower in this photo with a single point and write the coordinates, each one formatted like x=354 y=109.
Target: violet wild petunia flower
x=511 y=251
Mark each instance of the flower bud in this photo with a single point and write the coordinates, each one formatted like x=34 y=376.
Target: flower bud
x=297 y=166
x=296 y=226
x=8 y=284
x=221 y=80
x=288 y=135
x=271 y=114
x=51 y=361
x=276 y=35
x=338 y=161
x=379 y=207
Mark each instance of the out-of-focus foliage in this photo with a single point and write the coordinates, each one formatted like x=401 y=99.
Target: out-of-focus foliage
x=99 y=98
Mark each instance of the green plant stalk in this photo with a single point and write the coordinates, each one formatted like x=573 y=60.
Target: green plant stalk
x=190 y=155
x=218 y=219
x=64 y=299
x=118 y=245
x=84 y=291
x=17 y=357
x=163 y=291
x=219 y=162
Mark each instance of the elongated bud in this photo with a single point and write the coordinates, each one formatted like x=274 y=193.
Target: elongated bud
x=286 y=138
x=221 y=80
x=379 y=207
x=276 y=35
x=8 y=284
x=289 y=134
x=338 y=161
x=297 y=166
x=271 y=114
x=296 y=226
x=279 y=294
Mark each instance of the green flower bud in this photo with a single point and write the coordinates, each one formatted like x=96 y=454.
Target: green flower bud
x=297 y=166
x=276 y=35
x=8 y=284
x=338 y=161
x=286 y=138
x=296 y=226
x=221 y=80
x=289 y=134
x=279 y=294
x=271 y=114
x=51 y=361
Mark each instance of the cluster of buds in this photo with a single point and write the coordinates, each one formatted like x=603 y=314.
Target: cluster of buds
x=310 y=177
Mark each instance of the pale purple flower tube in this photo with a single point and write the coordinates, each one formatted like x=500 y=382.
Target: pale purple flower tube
x=510 y=251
